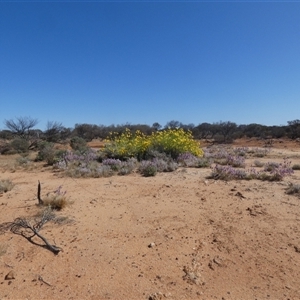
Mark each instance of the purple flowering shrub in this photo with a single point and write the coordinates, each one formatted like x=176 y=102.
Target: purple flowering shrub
x=122 y=167
x=241 y=151
x=271 y=166
x=83 y=165
x=226 y=156
x=128 y=166
x=227 y=173
x=115 y=164
x=258 y=163
x=259 y=152
x=163 y=165
x=94 y=170
x=87 y=165
x=151 y=167
x=147 y=168
x=276 y=173
x=189 y=160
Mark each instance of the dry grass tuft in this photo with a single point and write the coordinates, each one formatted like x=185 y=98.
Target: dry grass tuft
x=56 y=202
x=6 y=185
x=293 y=189
x=3 y=249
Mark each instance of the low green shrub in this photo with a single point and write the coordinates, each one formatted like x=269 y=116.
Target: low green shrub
x=20 y=145
x=49 y=154
x=23 y=161
x=79 y=144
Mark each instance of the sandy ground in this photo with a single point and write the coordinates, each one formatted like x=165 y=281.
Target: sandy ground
x=173 y=236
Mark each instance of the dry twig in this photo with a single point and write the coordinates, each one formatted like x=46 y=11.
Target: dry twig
x=29 y=229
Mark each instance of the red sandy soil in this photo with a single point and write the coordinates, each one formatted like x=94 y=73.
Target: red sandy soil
x=177 y=235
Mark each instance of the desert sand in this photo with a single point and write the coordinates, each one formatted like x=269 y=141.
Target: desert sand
x=177 y=235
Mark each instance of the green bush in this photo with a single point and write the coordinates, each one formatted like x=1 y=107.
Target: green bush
x=23 y=161
x=79 y=144
x=6 y=148
x=48 y=153
x=20 y=145
x=148 y=168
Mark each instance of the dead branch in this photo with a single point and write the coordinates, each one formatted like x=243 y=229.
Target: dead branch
x=40 y=278
x=23 y=226
x=41 y=202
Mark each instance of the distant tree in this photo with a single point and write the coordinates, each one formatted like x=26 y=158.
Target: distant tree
x=53 y=131
x=256 y=130
x=226 y=129
x=203 y=131
x=173 y=124
x=294 y=129
x=86 y=131
x=189 y=126
x=65 y=133
x=21 y=127
x=146 y=129
x=156 y=126
x=278 y=131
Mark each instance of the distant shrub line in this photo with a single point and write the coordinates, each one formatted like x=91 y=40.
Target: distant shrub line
x=160 y=151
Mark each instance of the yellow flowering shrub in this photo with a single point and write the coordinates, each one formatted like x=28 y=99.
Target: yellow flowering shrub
x=127 y=144
x=175 y=142
x=171 y=141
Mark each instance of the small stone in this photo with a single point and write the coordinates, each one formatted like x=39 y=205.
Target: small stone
x=156 y=296
x=10 y=275
x=151 y=245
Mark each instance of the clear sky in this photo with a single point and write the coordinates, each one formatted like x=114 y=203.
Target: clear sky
x=113 y=62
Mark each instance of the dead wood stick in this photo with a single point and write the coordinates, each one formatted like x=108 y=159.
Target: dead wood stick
x=41 y=202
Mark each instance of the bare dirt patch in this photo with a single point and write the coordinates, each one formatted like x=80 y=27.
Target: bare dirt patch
x=177 y=235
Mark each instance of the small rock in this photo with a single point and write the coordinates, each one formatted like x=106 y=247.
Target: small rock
x=238 y=194
x=151 y=245
x=297 y=249
x=10 y=275
x=156 y=296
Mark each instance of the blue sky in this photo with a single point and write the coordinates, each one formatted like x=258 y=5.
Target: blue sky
x=141 y=62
